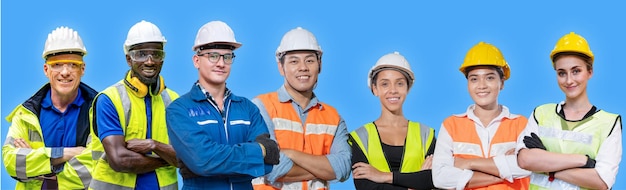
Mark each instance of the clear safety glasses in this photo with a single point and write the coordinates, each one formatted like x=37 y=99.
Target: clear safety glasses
x=142 y=55
x=214 y=57
x=71 y=65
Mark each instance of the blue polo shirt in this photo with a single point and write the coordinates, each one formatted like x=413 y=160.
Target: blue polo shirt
x=59 y=128
x=108 y=124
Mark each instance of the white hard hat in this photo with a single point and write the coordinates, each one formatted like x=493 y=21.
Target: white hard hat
x=143 y=32
x=297 y=39
x=215 y=32
x=63 y=39
x=391 y=61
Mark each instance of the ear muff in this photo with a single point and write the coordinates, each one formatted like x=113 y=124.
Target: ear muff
x=140 y=89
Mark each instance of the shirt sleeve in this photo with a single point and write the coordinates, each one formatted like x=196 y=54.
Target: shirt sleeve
x=105 y=117
x=445 y=175
x=285 y=162
x=340 y=153
x=56 y=152
x=531 y=127
x=215 y=159
x=257 y=127
x=508 y=167
x=416 y=180
x=610 y=155
x=507 y=164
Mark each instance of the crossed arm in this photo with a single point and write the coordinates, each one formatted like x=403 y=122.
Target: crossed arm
x=567 y=166
x=68 y=152
x=308 y=167
x=131 y=156
x=334 y=166
x=455 y=172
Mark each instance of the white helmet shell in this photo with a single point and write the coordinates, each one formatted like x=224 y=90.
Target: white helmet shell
x=143 y=32
x=391 y=60
x=63 y=39
x=215 y=32
x=297 y=39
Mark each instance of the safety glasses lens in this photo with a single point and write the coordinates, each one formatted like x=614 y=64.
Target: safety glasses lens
x=143 y=55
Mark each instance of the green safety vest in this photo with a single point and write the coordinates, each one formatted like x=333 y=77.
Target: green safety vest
x=418 y=140
x=134 y=127
x=585 y=138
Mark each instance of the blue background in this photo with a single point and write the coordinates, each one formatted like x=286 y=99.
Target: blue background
x=433 y=35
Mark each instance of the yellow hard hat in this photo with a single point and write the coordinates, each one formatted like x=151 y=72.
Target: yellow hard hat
x=485 y=54
x=572 y=42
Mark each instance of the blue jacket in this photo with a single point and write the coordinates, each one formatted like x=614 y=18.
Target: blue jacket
x=218 y=147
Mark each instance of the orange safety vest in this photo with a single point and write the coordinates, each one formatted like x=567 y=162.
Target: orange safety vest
x=314 y=137
x=468 y=144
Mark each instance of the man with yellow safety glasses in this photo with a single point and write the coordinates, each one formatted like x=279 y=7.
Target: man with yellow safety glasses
x=129 y=135
x=45 y=145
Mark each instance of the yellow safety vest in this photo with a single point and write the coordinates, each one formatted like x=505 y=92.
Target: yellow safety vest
x=418 y=140
x=24 y=164
x=586 y=138
x=134 y=127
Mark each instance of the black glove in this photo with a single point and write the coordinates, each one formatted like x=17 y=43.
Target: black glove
x=591 y=163
x=272 y=155
x=533 y=141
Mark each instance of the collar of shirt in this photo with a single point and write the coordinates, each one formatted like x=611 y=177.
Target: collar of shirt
x=470 y=114
x=561 y=113
x=47 y=101
x=283 y=96
x=208 y=95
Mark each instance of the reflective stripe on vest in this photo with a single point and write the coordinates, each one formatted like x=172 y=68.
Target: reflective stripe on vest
x=121 y=90
x=81 y=171
x=134 y=127
x=27 y=163
x=20 y=162
x=418 y=139
x=467 y=144
x=314 y=137
x=585 y=138
x=34 y=136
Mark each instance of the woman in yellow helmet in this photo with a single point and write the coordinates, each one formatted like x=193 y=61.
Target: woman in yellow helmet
x=392 y=152
x=572 y=144
x=476 y=149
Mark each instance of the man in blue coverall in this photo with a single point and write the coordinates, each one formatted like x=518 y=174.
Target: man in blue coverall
x=220 y=139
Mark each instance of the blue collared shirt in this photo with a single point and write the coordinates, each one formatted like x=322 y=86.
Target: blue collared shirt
x=59 y=128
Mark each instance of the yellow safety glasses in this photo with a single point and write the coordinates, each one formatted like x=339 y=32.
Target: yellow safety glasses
x=58 y=65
